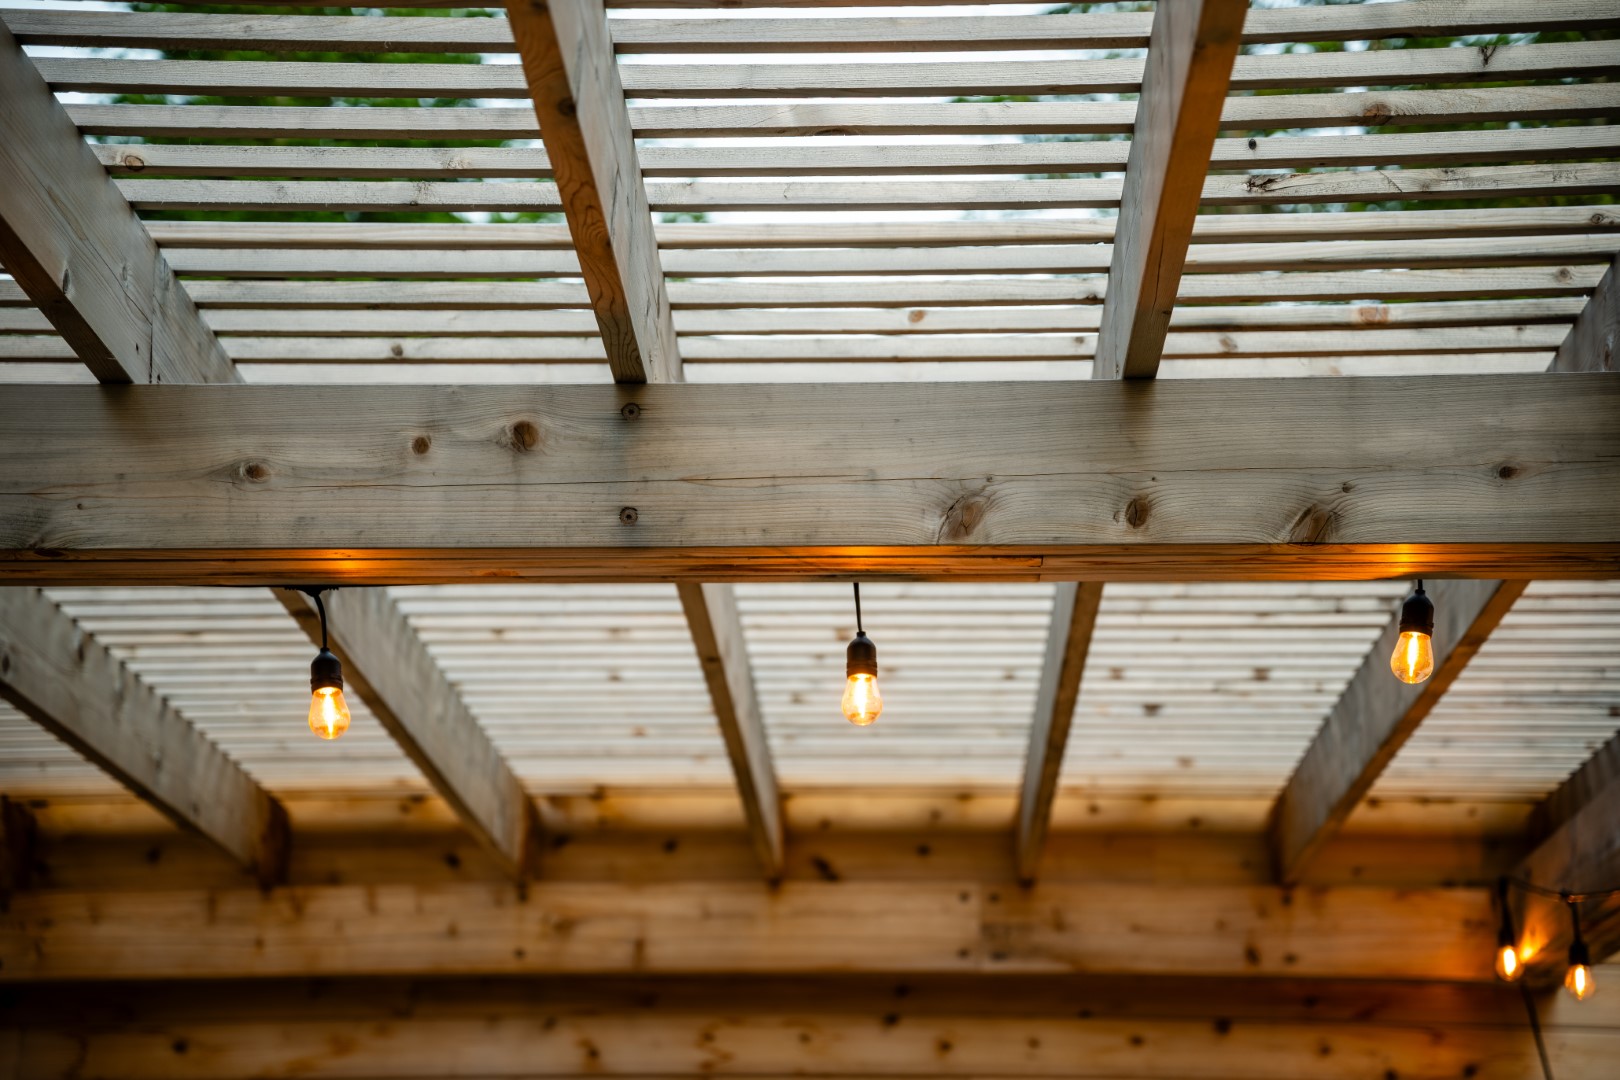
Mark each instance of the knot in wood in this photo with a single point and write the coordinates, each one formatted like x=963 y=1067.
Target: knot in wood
x=1137 y=511
x=628 y=516
x=566 y=107
x=421 y=444
x=1315 y=525
x=963 y=516
x=133 y=163
x=522 y=436
x=630 y=411
x=255 y=471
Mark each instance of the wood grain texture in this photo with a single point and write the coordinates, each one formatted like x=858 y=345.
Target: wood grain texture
x=724 y=928
x=1189 y=64
x=1362 y=108
x=1375 y=717
x=78 y=691
x=1074 y=615
x=389 y=667
x=1591 y=344
x=861 y=473
x=574 y=83
x=717 y=634
x=72 y=243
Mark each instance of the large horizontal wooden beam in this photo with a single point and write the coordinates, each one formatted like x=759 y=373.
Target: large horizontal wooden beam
x=729 y=928
x=1370 y=478
x=81 y=693
x=1375 y=716
x=386 y=663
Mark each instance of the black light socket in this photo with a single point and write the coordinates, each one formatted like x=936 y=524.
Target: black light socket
x=1417 y=613
x=326 y=672
x=862 y=656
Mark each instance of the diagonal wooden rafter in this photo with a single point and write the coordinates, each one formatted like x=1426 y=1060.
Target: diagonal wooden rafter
x=1074 y=616
x=1376 y=714
x=578 y=98
x=387 y=664
x=1189 y=65
x=711 y=613
x=1576 y=831
x=72 y=686
x=1374 y=717
x=77 y=249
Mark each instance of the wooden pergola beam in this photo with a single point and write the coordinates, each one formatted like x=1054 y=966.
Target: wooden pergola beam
x=578 y=98
x=72 y=686
x=1592 y=341
x=711 y=613
x=1369 y=478
x=1374 y=717
x=75 y=246
x=1577 y=834
x=1074 y=615
x=1189 y=65
x=729 y=928
x=387 y=664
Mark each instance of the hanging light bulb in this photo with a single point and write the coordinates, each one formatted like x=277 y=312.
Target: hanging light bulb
x=1508 y=967
x=328 y=712
x=1413 y=658
x=862 y=702
x=1578 y=979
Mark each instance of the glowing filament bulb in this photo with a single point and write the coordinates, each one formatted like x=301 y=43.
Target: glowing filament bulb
x=328 y=712
x=862 y=702
x=1507 y=963
x=1578 y=981
x=1413 y=659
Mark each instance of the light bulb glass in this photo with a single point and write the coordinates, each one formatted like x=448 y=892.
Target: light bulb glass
x=1413 y=659
x=862 y=703
x=328 y=712
x=1508 y=967
x=1578 y=981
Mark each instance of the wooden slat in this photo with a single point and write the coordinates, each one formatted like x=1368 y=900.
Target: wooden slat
x=1542 y=223
x=1437 y=148
x=382 y=196
x=1340 y=467
x=386 y=663
x=1092 y=30
x=1375 y=717
x=711 y=613
x=1590 y=345
x=730 y=928
x=1074 y=615
x=713 y=296
x=574 y=82
x=77 y=690
x=1512 y=318
x=788 y=80
x=1263 y=113
x=71 y=242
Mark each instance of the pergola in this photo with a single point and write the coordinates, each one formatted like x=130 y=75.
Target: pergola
x=986 y=310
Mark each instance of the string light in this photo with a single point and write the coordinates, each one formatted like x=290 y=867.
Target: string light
x=862 y=702
x=1413 y=658
x=328 y=712
x=1509 y=965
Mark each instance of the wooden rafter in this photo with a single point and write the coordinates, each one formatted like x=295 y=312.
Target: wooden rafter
x=1374 y=718
x=389 y=667
x=1074 y=615
x=711 y=613
x=1189 y=63
x=1577 y=833
x=1592 y=341
x=728 y=928
x=574 y=83
x=77 y=249
x=1339 y=481
x=71 y=685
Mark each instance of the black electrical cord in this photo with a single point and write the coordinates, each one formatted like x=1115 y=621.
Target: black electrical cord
x=1535 y=1029
x=321 y=608
x=859 y=629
